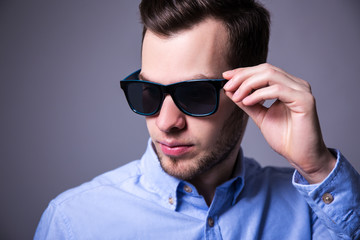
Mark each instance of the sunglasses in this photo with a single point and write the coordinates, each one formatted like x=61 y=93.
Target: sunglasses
x=196 y=98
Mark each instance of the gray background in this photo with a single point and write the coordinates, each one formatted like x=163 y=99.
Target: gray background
x=64 y=119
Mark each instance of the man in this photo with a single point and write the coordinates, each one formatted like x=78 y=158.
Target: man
x=193 y=182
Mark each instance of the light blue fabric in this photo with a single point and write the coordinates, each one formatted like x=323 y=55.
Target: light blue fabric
x=140 y=201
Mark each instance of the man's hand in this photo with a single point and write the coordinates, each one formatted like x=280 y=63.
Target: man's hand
x=290 y=125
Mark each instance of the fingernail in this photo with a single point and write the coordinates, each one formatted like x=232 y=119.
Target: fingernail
x=228 y=73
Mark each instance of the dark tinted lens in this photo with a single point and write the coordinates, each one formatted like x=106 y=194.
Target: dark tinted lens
x=144 y=98
x=197 y=97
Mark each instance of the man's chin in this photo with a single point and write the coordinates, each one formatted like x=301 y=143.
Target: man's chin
x=180 y=168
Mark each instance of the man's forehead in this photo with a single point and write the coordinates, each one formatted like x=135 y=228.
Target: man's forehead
x=197 y=53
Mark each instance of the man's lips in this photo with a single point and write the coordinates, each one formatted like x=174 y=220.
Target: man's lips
x=175 y=149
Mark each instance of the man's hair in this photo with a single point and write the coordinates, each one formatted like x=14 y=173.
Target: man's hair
x=247 y=23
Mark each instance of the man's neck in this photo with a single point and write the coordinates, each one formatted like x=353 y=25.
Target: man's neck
x=207 y=182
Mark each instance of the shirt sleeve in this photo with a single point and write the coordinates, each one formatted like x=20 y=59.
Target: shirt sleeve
x=336 y=200
x=53 y=225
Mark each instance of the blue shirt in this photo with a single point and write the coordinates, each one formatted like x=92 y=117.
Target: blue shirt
x=141 y=201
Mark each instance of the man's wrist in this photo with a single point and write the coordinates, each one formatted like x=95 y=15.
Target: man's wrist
x=327 y=164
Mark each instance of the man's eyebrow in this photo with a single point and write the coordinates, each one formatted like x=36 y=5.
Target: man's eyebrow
x=143 y=77
x=202 y=76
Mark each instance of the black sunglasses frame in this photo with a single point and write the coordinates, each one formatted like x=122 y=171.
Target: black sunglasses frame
x=170 y=89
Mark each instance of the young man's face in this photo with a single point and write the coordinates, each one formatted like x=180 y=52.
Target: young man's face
x=189 y=146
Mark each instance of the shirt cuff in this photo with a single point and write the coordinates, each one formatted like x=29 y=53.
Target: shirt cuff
x=335 y=200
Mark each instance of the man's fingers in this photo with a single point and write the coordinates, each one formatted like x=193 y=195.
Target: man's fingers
x=247 y=80
x=255 y=112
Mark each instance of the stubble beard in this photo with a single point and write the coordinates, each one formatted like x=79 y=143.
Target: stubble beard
x=231 y=133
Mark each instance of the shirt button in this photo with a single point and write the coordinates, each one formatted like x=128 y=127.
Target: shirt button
x=327 y=198
x=211 y=221
x=187 y=189
x=171 y=200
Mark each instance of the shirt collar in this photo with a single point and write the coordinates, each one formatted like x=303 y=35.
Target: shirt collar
x=166 y=186
x=158 y=181
x=239 y=176
x=235 y=185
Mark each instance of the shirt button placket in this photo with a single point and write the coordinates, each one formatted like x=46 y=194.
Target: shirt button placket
x=211 y=222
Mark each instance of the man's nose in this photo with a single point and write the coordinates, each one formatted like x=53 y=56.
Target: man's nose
x=170 y=118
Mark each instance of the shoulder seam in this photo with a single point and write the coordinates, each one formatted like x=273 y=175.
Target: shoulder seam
x=97 y=182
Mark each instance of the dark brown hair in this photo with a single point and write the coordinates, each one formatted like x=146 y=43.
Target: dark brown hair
x=246 y=21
